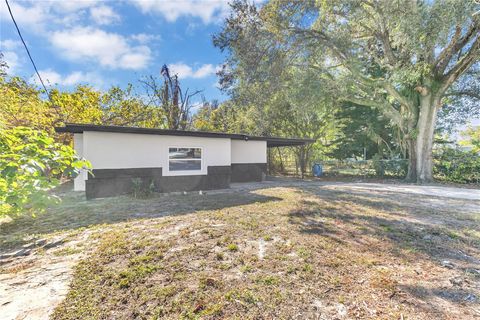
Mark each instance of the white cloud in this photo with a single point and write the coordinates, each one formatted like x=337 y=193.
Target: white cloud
x=52 y=77
x=48 y=76
x=9 y=47
x=68 y=13
x=9 y=44
x=108 y=49
x=185 y=71
x=204 y=71
x=71 y=5
x=54 y=19
x=135 y=60
x=78 y=77
x=12 y=60
x=208 y=11
x=181 y=69
x=39 y=16
x=144 y=38
x=104 y=15
x=33 y=17
x=196 y=105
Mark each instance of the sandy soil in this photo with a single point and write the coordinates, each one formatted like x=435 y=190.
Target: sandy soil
x=32 y=285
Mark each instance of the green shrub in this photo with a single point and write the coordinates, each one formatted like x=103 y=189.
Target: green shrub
x=457 y=165
x=141 y=189
x=31 y=164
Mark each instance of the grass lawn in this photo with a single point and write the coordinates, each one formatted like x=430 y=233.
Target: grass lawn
x=303 y=251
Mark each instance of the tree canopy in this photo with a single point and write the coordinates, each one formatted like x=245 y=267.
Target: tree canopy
x=401 y=57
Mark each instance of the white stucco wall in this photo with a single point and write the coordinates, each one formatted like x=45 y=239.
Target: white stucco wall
x=79 y=181
x=250 y=151
x=106 y=150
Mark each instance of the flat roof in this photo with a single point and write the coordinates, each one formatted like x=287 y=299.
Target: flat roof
x=271 y=141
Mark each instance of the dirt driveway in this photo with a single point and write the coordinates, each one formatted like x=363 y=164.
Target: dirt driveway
x=416 y=248
x=422 y=190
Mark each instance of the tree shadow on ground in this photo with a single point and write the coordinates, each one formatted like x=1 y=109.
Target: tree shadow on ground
x=403 y=220
x=431 y=297
x=455 y=294
x=387 y=216
x=74 y=212
x=403 y=227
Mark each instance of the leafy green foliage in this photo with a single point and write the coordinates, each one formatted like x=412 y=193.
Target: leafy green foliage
x=215 y=117
x=272 y=91
x=31 y=164
x=397 y=57
x=365 y=131
x=472 y=138
x=23 y=104
x=457 y=165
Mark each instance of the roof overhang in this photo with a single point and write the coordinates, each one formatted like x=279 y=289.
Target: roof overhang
x=287 y=142
x=271 y=141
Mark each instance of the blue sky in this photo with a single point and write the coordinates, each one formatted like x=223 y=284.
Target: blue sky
x=105 y=43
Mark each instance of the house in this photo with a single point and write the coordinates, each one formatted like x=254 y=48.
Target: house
x=172 y=160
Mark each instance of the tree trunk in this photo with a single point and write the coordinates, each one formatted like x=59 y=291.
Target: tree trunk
x=412 y=160
x=421 y=159
x=304 y=156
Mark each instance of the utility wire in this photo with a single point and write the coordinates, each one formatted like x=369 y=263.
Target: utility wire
x=26 y=48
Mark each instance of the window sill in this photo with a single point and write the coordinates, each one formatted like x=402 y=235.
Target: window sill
x=185 y=173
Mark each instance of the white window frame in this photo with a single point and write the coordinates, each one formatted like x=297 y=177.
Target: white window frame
x=202 y=170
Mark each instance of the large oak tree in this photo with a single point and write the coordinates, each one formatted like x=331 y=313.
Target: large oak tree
x=402 y=57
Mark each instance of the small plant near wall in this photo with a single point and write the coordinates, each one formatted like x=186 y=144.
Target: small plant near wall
x=141 y=190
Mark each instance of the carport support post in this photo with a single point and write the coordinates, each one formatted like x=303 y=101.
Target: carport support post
x=282 y=168
x=302 y=161
x=269 y=160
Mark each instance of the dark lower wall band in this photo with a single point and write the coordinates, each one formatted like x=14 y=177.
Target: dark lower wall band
x=247 y=172
x=104 y=183
x=113 y=182
x=218 y=177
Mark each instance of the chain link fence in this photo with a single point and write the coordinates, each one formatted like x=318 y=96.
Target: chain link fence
x=396 y=168
x=457 y=170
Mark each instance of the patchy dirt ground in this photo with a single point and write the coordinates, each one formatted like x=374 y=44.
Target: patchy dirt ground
x=283 y=249
x=32 y=286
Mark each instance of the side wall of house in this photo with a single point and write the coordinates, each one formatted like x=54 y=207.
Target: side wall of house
x=118 y=159
x=249 y=160
x=79 y=181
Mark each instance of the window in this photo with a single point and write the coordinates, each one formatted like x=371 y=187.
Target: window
x=184 y=159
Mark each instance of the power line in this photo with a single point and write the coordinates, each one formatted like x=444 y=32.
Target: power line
x=26 y=48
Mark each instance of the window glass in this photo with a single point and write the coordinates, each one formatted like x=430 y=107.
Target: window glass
x=185 y=153
x=183 y=165
x=184 y=159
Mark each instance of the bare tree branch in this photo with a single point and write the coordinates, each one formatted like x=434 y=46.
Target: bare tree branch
x=455 y=46
x=462 y=65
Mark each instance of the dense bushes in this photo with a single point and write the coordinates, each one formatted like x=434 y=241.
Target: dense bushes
x=456 y=165
x=31 y=164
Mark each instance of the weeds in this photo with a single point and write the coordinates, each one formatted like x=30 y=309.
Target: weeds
x=353 y=250
x=232 y=247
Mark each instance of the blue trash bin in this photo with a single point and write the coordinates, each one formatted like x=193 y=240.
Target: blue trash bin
x=317 y=170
